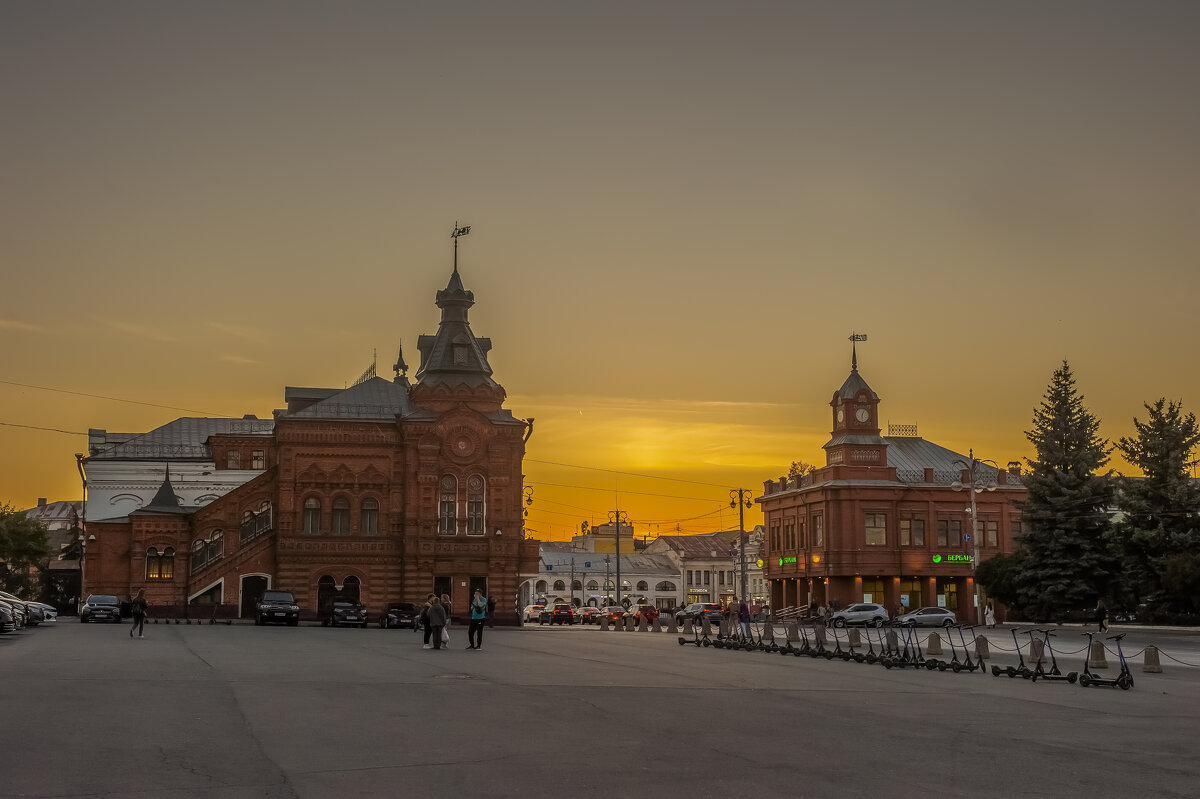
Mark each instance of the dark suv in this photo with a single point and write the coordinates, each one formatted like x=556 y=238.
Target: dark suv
x=101 y=607
x=559 y=613
x=277 y=607
x=400 y=614
x=346 y=614
x=699 y=611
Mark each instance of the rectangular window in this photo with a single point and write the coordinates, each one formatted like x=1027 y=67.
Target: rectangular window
x=991 y=533
x=721 y=577
x=876 y=529
x=708 y=578
x=775 y=542
x=818 y=531
x=475 y=517
x=800 y=534
x=912 y=532
x=258 y=459
x=689 y=577
x=233 y=459
x=906 y=532
x=954 y=536
x=943 y=533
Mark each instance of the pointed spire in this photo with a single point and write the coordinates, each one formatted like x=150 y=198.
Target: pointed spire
x=165 y=500
x=400 y=367
x=854 y=339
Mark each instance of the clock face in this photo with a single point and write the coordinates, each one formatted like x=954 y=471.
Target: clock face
x=863 y=415
x=841 y=415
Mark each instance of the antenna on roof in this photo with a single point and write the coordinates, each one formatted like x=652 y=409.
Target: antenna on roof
x=855 y=338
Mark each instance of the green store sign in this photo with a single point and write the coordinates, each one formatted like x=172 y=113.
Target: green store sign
x=784 y=561
x=953 y=559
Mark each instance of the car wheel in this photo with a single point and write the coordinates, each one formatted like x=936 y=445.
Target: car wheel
x=947 y=623
x=877 y=622
x=839 y=622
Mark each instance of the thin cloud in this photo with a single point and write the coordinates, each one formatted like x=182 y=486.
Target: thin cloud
x=238 y=359
x=141 y=331
x=13 y=324
x=238 y=331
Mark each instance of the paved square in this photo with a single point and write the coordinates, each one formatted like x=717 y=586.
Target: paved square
x=243 y=711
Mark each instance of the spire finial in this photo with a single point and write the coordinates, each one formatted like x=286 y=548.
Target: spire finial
x=458 y=231
x=855 y=338
x=400 y=367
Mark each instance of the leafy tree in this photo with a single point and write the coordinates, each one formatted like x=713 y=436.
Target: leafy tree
x=1070 y=556
x=1000 y=576
x=1161 y=511
x=23 y=543
x=800 y=468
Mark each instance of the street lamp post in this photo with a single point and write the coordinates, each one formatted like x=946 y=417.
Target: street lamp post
x=738 y=498
x=979 y=481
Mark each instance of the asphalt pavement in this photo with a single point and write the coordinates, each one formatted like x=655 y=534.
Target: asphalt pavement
x=243 y=711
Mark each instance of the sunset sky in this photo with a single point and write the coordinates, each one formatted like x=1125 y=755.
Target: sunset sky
x=679 y=211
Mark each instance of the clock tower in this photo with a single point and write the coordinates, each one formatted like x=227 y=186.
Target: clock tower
x=855 y=437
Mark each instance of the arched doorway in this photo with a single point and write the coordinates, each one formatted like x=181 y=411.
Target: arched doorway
x=253 y=586
x=350 y=590
x=326 y=592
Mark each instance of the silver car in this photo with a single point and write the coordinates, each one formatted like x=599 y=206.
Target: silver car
x=861 y=613
x=928 y=617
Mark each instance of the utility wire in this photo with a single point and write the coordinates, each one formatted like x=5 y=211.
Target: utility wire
x=49 y=429
x=113 y=399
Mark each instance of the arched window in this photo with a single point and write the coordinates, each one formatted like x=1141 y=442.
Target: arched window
x=248 y=526
x=642 y=585
x=262 y=519
x=312 y=515
x=205 y=552
x=160 y=565
x=665 y=585
x=370 y=517
x=559 y=585
x=475 y=486
x=448 y=507
x=350 y=589
x=592 y=585
x=341 y=517
x=576 y=585
x=540 y=587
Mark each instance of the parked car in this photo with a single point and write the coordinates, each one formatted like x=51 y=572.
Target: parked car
x=558 y=613
x=699 y=611
x=7 y=625
x=34 y=614
x=49 y=611
x=649 y=611
x=928 y=617
x=861 y=613
x=19 y=609
x=346 y=614
x=101 y=607
x=532 y=612
x=588 y=614
x=277 y=607
x=400 y=614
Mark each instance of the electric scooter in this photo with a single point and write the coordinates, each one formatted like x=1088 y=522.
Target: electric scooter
x=912 y=648
x=837 y=651
x=1020 y=668
x=968 y=664
x=1054 y=674
x=1124 y=678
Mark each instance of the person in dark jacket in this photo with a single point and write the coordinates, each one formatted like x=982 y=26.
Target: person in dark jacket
x=437 y=621
x=743 y=616
x=425 y=619
x=137 y=606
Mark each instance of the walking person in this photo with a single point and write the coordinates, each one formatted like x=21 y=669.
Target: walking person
x=137 y=607
x=479 y=609
x=743 y=617
x=989 y=616
x=424 y=617
x=437 y=622
x=1101 y=616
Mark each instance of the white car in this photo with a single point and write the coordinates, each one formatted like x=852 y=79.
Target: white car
x=531 y=612
x=861 y=613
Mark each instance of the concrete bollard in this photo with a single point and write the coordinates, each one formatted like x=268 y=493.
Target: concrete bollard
x=1097 y=660
x=656 y=626
x=1037 y=652
x=981 y=648
x=671 y=626
x=933 y=646
x=792 y=630
x=688 y=629
x=723 y=628
x=853 y=637
x=768 y=634
x=893 y=641
x=604 y=622
x=642 y=625
x=630 y=624
x=1151 y=664
x=819 y=631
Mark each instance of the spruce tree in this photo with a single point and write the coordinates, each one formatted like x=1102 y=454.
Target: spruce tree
x=1070 y=557
x=1160 y=529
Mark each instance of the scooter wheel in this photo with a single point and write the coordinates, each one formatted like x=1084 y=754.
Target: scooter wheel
x=1011 y=672
x=1124 y=682
x=682 y=641
x=941 y=667
x=1071 y=677
x=1084 y=681
x=797 y=652
x=706 y=642
x=957 y=667
x=887 y=663
x=931 y=664
x=995 y=671
x=860 y=658
x=872 y=659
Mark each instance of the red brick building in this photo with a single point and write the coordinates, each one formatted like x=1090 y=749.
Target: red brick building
x=881 y=521
x=383 y=491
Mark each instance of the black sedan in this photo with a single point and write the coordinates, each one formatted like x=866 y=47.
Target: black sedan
x=400 y=614
x=6 y=620
x=560 y=613
x=277 y=607
x=101 y=607
x=346 y=614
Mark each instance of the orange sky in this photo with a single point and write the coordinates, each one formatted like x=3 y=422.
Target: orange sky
x=679 y=213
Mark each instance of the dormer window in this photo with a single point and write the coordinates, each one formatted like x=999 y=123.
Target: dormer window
x=460 y=354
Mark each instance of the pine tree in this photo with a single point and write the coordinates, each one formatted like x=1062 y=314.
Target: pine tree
x=1071 y=559
x=1160 y=531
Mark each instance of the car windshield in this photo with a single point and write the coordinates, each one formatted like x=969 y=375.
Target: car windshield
x=103 y=600
x=404 y=607
x=345 y=605
x=277 y=596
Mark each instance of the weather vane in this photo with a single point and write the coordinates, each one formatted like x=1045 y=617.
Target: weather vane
x=855 y=338
x=458 y=231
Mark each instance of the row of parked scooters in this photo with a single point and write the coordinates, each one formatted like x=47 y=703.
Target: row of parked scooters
x=900 y=647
